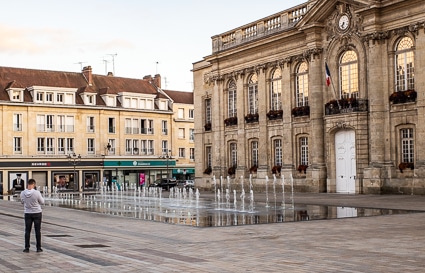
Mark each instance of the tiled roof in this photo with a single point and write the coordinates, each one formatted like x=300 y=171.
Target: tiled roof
x=22 y=78
x=180 y=97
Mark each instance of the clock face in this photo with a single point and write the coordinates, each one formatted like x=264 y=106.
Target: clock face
x=343 y=22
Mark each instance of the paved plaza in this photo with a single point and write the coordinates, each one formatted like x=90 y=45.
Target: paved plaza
x=81 y=241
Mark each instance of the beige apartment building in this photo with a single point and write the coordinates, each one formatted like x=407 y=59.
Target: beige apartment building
x=328 y=94
x=78 y=131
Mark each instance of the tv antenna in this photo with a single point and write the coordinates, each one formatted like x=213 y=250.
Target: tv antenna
x=81 y=65
x=113 y=62
x=106 y=65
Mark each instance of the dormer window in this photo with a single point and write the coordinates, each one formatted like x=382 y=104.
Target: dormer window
x=16 y=95
x=90 y=99
x=59 y=97
x=49 y=97
x=40 y=96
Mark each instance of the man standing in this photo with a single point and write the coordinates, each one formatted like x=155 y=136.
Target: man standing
x=32 y=199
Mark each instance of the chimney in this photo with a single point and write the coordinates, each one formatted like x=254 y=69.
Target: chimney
x=87 y=72
x=157 y=80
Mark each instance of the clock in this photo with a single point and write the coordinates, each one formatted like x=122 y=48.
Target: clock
x=343 y=22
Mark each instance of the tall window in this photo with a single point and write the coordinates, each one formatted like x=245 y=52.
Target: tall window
x=181 y=133
x=231 y=99
x=128 y=147
x=191 y=135
x=50 y=145
x=127 y=125
x=90 y=124
x=192 y=154
x=208 y=157
x=17 y=122
x=303 y=151
x=164 y=147
x=70 y=145
x=254 y=153
x=276 y=90
x=41 y=123
x=40 y=145
x=90 y=146
x=61 y=123
x=302 y=85
x=349 y=75
x=253 y=94
x=191 y=113
x=407 y=145
x=233 y=149
x=17 y=145
x=61 y=146
x=111 y=125
x=207 y=111
x=113 y=148
x=180 y=113
x=164 y=127
x=70 y=124
x=182 y=152
x=151 y=146
x=50 y=123
x=405 y=66
x=277 y=147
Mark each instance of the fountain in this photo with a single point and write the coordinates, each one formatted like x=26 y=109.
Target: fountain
x=179 y=206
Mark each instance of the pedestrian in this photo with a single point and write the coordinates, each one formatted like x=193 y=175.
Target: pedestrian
x=32 y=200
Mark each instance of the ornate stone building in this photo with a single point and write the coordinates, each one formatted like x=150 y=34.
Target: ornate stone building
x=330 y=93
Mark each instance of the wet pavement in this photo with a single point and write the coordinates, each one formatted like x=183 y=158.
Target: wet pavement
x=76 y=240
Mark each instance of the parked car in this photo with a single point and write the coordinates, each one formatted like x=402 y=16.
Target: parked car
x=164 y=183
x=189 y=184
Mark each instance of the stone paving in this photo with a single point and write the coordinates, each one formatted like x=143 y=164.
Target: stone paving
x=80 y=241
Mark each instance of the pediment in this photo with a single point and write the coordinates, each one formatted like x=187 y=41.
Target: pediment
x=322 y=11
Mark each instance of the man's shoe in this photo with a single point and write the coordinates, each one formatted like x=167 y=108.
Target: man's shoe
x=26 y=250
x=39 y=250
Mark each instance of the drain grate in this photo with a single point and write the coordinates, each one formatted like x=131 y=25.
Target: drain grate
x=58 y=235
x=92 y=246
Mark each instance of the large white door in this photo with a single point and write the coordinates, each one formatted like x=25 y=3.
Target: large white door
x=345 y=154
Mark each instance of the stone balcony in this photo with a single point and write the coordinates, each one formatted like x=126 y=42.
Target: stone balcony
x=272 y=24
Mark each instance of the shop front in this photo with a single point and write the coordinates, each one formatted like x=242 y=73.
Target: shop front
x=131 y=174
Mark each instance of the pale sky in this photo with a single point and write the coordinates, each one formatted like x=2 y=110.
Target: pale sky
x=134 y=38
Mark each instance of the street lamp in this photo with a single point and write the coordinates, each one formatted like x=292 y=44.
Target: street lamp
x=74 y=160
x=167 y=156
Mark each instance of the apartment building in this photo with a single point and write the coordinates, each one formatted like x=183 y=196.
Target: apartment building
x=77 y=131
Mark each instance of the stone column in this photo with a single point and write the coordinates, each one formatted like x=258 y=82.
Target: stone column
x=263 y=141
x=287 y=138
x=241 y=91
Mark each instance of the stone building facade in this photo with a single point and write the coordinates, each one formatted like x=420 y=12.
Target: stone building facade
x=328 y=94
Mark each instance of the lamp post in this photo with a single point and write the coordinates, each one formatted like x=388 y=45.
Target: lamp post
x=167 y=156
x=74 y=160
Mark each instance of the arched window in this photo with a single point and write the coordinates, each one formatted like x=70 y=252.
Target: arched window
x=276 y=90
x=404 y=65
x=253 y=94
x=231 y=100
x=302 y=85
x=303 y=151
x=349 y=75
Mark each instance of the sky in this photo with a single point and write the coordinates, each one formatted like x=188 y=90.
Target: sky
x=131 y=38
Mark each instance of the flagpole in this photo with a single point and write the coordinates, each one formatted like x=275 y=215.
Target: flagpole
x=333 y=86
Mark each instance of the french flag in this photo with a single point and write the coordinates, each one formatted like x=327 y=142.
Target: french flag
x=328 y=75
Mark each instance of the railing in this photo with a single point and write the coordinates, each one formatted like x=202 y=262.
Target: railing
x=346 y=106
x=255 y=30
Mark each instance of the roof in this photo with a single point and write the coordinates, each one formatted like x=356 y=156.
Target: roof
x=180 y=97
x=23 y=78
